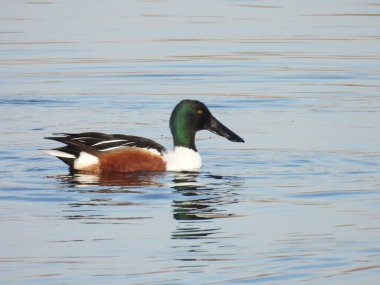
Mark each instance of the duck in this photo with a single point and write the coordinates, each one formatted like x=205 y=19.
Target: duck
x=95 y=152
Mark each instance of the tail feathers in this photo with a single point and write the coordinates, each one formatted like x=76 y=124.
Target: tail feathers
x=75 y=154
x=59 y=153
x=66 y=157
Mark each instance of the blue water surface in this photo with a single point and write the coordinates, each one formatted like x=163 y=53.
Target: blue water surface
x=297 y=203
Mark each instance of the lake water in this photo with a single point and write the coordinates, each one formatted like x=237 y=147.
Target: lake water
x=299 y=202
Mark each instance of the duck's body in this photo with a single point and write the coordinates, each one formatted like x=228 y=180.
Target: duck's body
x=98 y=152
x=103 y=153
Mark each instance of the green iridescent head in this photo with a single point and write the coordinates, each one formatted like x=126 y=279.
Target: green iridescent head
x=191 y=116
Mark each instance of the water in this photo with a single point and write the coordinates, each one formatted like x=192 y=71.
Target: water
x=297 y=203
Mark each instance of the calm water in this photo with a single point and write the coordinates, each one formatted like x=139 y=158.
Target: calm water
x=299 y=202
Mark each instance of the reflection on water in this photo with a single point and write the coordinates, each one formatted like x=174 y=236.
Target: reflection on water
x=192 y=200
x=199 y=202
x=78 y=179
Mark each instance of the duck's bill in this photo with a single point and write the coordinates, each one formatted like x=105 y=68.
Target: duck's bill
x=218 y=128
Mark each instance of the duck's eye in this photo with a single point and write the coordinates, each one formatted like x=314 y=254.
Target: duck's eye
x=200 y=111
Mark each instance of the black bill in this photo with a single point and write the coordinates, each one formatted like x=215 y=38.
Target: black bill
x=218 y=128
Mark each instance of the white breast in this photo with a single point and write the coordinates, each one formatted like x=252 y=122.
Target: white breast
x=182 y=158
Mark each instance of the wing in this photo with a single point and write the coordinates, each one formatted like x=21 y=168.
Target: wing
x=93 y=143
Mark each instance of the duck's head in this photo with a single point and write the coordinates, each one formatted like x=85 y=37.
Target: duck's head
x=191 y=116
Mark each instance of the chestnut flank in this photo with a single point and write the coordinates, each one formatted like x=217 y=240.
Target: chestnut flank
x=131 y=159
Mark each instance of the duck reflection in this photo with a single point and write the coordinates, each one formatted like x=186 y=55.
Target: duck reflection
x=199 y=202
x=197 y=198
x=78 y=179
x=101 y=195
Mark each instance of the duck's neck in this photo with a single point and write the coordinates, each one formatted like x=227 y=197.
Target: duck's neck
x=183 y=137
x=182 y=132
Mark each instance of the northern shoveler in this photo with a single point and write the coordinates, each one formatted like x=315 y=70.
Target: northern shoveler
x=104 y=153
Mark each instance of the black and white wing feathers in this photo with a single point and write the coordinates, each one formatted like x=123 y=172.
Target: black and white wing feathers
x=94 y=142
